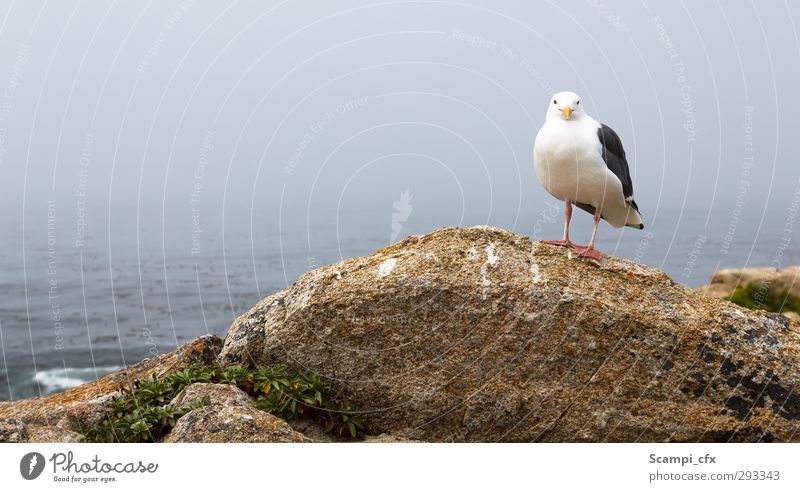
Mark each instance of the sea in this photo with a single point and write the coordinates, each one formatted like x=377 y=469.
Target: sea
x=72 y=312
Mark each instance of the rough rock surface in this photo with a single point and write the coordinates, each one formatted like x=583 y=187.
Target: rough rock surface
x=40 y=433
x=12 y=430
x=725 y=281
x=230 y=417
x=218 y=394
x=58 y=417
x=386 y=438
x=480 y=335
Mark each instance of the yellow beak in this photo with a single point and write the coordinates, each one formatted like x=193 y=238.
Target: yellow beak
x=566 y=112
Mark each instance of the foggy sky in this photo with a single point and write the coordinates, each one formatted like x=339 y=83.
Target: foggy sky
x=316 y=110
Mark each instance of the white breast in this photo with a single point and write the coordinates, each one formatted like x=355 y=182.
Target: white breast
x=569 y=164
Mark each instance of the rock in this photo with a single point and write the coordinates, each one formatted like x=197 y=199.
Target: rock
x=386 y=438
x=218 y=394
x=480 y=335
x=315 y=431
x=230 y=417
x=81 y=407
x=13 y=430
x=82 y=415
x=725 y=281
x=42 y=433
x=232 y=424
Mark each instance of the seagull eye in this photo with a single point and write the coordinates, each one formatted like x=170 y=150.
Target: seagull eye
x=578 y=103
x=555 y=102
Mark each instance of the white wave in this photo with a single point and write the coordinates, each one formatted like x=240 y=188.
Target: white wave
x=58 y=379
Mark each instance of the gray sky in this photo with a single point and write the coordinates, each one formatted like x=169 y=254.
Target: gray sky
x=300 y=107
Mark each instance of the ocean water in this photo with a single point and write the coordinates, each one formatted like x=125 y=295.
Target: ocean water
x=70 y=314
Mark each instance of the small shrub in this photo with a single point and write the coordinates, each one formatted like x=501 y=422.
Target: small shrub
x=306 y=395
x=131 y=419
x=143 y=413
x=755 y=296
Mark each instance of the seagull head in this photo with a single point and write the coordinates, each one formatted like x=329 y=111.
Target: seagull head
x=565 y=105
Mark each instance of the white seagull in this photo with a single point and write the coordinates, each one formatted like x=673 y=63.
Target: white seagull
x=582 y=162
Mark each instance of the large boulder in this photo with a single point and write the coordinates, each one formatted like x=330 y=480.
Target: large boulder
x=481 y=335
x=229 y=417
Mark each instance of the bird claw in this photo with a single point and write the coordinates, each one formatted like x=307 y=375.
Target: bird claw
x=588 y=252
x=560 y=242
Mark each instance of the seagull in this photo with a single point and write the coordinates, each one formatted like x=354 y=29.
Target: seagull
x=580 y=161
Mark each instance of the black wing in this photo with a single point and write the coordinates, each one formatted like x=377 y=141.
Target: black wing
x=614 y=156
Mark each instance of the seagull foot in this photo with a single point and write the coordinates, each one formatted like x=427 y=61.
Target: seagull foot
x=588 y=252
x=561 y=242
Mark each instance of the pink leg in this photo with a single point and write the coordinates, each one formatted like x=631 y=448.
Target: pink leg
x=567 y=218
x=589 y=251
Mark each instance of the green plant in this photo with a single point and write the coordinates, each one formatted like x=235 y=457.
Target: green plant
x=129 y=420
x=755 y=296
x=193 y=374
x=305 y=395
x=143 y=412
x=237 y=375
